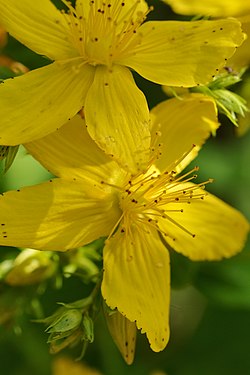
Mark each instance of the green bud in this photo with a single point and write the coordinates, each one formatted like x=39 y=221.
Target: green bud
x=123 y=332
x=59 y=336
x=58 y=344
x=68 y=321
x=88 y=328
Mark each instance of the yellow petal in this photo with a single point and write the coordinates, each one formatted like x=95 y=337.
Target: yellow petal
x=117 y=117
x=216 y=8
x=39 y=102
x=56 y=215
x=181 y=124
x=184 y=53
x=38 y=25
x=71 y=152
x=217 y=230
x=136 y=282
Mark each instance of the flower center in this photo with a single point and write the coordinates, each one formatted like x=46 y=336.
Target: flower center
x=103 y=31
x=148 y=198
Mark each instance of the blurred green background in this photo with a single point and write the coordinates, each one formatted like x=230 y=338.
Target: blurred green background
x=210 y=305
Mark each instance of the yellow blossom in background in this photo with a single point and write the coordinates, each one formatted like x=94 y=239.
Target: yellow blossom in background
x=215 y=8
x=92 y=46
x=221 y=9
x=140 y=214
x=67 y=366
x=30 y=267
x=218 y=9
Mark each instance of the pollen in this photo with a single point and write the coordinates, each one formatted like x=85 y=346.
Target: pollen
x=103 y=32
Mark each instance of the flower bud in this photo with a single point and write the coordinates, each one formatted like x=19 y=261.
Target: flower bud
x=68 y=321
x=88 y=328
x=30 y=267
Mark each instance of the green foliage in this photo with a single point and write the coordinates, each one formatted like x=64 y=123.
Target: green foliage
x=228 y=102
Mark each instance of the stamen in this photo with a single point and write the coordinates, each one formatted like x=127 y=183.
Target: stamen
x=112 y=185
x=145 y=198
x=178 y=161
x=153 y=224
x=115 y=226
x=106 y=32
x=178 y=225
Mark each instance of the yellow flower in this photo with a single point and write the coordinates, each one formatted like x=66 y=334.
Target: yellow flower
x=92 y=46
x=215 y=8
x=65 y=366
x=221 y=8
x=140 y=214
